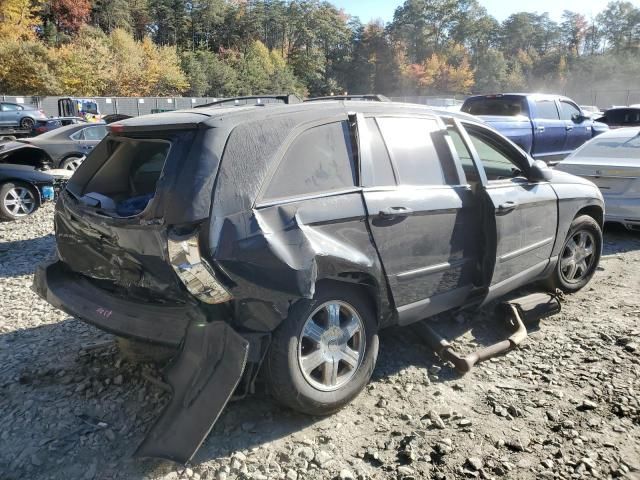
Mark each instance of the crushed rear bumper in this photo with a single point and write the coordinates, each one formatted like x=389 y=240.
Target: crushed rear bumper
x=203 y=376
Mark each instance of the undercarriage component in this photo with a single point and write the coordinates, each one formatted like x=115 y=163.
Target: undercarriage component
x=203 y=378
x=528 y=308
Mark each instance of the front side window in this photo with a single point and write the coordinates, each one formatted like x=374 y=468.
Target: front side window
x=319 y=160
x=10 y=107
x=464 y=156
x=547 y=110
x=569 y=111
x=495 y=160
x=409 y=142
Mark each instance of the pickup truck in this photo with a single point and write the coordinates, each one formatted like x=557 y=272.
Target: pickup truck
x=548 y=127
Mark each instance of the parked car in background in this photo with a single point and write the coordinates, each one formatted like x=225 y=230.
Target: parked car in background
x=621 y=117
x=22 y=190
x=52 y=123
x=64 y=147
x=19 y=116
x=591 y=111
x=293 y=233
x=548 y=127
x=612 y=162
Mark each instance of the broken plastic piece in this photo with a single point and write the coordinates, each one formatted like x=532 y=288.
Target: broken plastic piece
x=203 y=378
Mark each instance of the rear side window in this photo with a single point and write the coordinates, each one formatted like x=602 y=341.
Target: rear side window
x=547 y=110
x=412 y=150
x=95 y=133
x=501 y=106
x=319 y=160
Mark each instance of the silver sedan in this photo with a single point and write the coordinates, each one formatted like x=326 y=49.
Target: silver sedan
x=612 y=162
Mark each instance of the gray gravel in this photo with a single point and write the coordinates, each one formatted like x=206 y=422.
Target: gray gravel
x=564 y=405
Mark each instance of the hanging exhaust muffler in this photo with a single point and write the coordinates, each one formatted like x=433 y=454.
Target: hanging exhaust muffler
x=517 y=311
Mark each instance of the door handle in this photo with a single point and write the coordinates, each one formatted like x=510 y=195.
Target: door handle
x=395 y=212
x=507 y=206
x=568 y=127
x=541 y=129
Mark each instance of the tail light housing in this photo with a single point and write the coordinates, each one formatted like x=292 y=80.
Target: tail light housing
x=193 y=270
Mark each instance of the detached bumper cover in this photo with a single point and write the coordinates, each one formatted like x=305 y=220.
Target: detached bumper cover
x=74 y=294
x=202 y=377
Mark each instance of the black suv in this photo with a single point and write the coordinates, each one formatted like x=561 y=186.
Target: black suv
x=283 y=237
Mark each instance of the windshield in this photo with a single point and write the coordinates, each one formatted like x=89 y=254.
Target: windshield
x=612 y=148
x=89 y=107
x=505 y=106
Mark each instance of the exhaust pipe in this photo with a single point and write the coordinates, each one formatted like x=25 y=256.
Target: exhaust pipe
x=530 y=308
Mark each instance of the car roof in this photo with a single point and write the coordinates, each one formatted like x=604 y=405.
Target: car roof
x=214 y=116
x=65 y=130
x=624 y=133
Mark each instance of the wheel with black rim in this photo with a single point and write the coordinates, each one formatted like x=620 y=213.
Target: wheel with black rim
x=27 y=123
x=579 y=256
x=323 y=354
x=71 y=163
x=17 y=201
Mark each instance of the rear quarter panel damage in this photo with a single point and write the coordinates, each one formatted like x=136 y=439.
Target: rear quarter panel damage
x=277 y=254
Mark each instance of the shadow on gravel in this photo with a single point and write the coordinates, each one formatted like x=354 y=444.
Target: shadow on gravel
x=21 y=257
x=618 y=239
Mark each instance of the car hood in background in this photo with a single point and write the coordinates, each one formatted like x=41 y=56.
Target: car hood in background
x=24 y=172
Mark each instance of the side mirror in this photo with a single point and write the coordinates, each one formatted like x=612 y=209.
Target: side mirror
x=540 y=172
x=579 y=118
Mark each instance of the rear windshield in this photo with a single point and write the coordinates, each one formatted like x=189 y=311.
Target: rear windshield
x=501 y=106
x=126 y=181
x=612 y=148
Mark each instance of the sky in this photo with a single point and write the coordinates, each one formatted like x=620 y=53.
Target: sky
x=372 y=9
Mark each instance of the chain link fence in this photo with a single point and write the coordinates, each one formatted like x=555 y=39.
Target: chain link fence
x=135 y=106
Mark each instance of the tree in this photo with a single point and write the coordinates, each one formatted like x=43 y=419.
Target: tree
x=574 y=29
x=26 y=68
x=18 y=19
x=69 y=15
x=619 y=23
x=491 y=73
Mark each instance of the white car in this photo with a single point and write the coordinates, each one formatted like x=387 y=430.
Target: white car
x=612 y=162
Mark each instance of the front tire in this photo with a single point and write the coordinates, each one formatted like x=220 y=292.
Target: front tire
x=579 y=256
x=324 y=353
x=17 y=200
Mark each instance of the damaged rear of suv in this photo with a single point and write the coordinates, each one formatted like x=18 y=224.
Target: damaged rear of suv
x=282 y=238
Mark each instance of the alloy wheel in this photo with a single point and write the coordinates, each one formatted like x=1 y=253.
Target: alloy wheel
x=19 y=201
x=72 y=163
x=578 y=256
x=331 y=345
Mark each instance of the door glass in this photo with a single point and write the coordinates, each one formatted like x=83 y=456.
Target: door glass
x=382 y=173
x=9 y=107
x=95 y=133
x=547 y=109
x=412 y=150
x=319 y=160
x=568 y=111
x=497 y=165
x=468 y=167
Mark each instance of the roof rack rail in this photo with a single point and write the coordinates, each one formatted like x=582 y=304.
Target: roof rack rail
x=252 y=100
x=369 y=97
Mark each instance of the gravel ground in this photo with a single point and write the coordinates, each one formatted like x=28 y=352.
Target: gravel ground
x=563 y=405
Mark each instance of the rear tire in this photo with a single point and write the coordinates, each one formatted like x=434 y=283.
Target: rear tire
x=71 y=163
x=579 y=256
x=17 y=200
x=337 y=330
x=27 y=123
